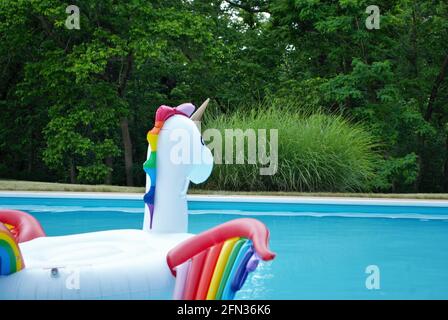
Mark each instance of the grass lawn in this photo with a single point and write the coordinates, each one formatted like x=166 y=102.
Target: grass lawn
x=16 y=185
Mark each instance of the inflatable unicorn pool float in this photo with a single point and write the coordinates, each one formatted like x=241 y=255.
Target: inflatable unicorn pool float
x=161 y=261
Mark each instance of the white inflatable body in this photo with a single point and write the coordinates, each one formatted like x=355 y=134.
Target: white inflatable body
x=121 y=264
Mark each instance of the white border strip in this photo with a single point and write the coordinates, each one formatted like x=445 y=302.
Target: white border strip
x=231 y=198
x=71 y=195
x=322 y=200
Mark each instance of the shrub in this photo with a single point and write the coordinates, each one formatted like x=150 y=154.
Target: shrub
x=316 y=152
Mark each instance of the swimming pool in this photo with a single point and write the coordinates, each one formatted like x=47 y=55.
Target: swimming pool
x=323 y=246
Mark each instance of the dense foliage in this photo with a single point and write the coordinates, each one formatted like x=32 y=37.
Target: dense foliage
x=316 y=152
x=76 y=104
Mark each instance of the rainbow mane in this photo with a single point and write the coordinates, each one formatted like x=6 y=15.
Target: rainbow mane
x=11 y=260
x=163 y=113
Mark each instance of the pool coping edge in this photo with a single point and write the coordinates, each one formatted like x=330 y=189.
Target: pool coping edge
x=234 y=198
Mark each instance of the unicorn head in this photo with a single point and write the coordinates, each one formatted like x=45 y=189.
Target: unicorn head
x=176 y=155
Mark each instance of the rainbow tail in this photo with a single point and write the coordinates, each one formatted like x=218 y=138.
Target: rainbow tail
x=11 y=259
x=215 y=264
x=15 y=227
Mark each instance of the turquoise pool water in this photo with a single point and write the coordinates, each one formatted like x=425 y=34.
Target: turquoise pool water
x=322 y=250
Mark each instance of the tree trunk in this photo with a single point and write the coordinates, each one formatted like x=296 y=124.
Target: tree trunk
x=127 y=144
x=435 y=89
x=413 y=57
x=124 y=122
x=428 y=114
x=30 y=155
x=72 y=171
x=109 y=163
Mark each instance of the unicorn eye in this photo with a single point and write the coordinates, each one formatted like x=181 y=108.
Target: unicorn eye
x=202 y=141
